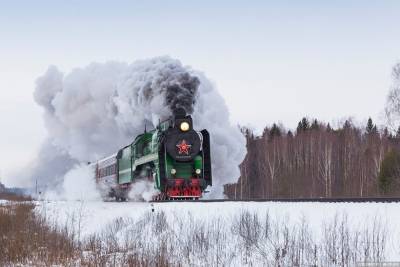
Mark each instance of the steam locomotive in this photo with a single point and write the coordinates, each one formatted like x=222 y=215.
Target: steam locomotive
x=174 y=156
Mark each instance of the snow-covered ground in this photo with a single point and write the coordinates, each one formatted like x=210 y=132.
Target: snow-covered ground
x=94 y=217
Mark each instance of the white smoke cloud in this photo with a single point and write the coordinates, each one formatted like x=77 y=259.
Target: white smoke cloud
x=93 y=111
x=142 y=190
x=228 y=145
x=81 y=175
x=78 y=184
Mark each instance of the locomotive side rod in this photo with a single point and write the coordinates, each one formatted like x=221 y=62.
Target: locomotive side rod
x=328 y=200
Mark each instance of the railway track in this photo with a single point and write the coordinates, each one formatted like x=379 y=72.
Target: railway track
x=327 y=200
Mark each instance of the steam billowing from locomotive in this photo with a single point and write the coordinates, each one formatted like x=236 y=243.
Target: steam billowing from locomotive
x=93 y=111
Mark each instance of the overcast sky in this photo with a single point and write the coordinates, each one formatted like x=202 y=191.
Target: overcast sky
x=271 y=62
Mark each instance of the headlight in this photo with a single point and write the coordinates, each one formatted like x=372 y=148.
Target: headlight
x=198 y=171
x=184 y=126
x=173 y=171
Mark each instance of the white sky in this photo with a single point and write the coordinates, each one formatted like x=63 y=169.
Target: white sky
x=271 y=62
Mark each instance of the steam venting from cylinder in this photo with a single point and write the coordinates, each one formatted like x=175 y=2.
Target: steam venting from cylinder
x=92 y=112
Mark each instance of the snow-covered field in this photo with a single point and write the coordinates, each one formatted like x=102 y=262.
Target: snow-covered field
x=96 y=215
x=364 y=218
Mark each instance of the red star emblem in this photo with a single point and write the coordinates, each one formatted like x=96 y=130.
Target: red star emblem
x=183 y=147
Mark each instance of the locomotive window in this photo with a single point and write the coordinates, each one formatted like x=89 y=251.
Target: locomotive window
x=139 y=150
x=146 y=147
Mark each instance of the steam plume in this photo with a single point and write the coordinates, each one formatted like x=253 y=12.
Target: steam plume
x=93 y=111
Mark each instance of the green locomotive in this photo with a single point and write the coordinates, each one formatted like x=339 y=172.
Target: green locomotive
x=173 y=155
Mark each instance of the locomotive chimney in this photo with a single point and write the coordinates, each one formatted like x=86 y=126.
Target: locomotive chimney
x=182 y=121
x=179 y=113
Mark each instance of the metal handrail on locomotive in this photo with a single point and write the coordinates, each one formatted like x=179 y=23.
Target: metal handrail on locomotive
x=173 y=155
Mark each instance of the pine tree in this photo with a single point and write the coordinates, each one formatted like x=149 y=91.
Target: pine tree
x=389 y=172
x=315 y=125
x=275 y=131
x=328 y=128
x=303 y=125
x=371 y=128
x=299 y=127
x=265 y=132
x=347 y=124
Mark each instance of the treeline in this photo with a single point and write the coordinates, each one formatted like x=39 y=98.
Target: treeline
x=319 y=161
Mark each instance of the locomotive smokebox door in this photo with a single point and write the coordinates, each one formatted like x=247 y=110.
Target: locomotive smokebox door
x=182 y=142
x=182 y=146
